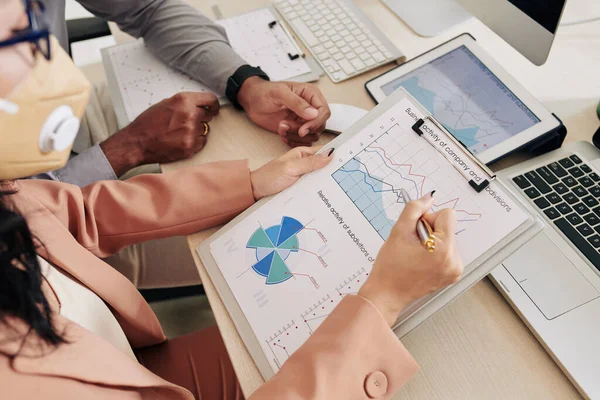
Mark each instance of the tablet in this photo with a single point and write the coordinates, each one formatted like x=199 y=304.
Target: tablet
x=472 y=95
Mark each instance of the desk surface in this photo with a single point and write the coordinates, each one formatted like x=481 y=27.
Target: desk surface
x=476 y=347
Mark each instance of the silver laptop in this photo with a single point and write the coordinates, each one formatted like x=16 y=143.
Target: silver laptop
x=553 y=282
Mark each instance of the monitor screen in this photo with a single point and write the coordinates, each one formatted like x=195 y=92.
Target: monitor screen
x=544 y=12
x=468 y=98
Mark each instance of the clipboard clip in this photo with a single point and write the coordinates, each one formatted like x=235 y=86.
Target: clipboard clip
x=474 y=171
x=298 y=51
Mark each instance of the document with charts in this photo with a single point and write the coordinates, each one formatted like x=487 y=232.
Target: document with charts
x=143 y=80
x=293 y=259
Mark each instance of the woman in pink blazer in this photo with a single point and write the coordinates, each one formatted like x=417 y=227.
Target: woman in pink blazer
x=72 y=327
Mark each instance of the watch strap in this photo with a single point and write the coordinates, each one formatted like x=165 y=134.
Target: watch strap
x=235 y=82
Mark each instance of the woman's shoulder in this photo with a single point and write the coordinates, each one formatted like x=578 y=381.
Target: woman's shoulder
x=30 y=196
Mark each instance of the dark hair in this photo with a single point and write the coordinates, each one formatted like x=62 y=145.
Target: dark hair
x=21 y=278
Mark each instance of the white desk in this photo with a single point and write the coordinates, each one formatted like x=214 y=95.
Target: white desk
x=476 y=347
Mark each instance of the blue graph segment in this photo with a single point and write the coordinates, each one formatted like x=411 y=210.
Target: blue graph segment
x=260 y=239
x=366 y=192
x=273 y=233
x=273 y=246
x=289 y=227
x=427 y=98
x=467 y=135
x=423 y=96
x=263 y=266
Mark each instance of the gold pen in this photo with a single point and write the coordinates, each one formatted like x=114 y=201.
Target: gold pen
x=423 y=228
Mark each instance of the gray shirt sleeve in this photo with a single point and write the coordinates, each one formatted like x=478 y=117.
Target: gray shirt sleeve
x=178 y=34
x=87 y=167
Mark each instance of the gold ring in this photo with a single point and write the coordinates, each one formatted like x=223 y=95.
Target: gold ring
x=206 y=129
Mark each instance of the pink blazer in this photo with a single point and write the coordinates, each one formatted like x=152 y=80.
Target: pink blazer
x=353 y=355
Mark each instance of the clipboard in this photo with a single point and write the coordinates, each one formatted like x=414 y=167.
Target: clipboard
x=416 y=313
x=430 y=127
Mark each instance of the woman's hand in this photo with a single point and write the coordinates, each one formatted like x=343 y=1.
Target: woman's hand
x=404 y=270
x=284 y=171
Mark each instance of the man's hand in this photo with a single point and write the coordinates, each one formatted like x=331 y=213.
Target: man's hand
x=168 y=131
x=296 y=111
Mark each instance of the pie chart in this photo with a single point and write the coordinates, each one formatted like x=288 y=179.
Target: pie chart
x=273 y=246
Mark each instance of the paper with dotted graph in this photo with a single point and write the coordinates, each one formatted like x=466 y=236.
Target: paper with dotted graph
x=143 y=80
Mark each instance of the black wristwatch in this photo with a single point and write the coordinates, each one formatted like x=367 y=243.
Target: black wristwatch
x=235 y=82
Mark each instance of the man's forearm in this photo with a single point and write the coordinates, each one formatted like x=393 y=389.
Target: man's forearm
x=121 y=152
x=178 y=34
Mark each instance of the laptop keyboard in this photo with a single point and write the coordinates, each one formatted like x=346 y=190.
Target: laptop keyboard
x=568 y=193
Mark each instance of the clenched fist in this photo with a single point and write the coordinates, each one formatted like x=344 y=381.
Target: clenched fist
x=171 y=130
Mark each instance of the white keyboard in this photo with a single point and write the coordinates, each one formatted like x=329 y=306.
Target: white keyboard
x=342 y=39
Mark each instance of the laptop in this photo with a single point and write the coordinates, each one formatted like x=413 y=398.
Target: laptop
x=553 y=282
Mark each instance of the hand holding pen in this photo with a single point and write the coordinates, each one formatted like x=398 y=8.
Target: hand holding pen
x=405 y=270
x=423 y=228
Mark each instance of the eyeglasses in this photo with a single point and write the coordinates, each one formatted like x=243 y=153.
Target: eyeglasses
x=36 y=33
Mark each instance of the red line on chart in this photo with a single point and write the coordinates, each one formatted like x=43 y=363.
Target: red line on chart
x=410 y=166
x=281 y=347
x=306 y=275
x=318 y=233
x=316 y=255
x=456 y=200
x=297 y=273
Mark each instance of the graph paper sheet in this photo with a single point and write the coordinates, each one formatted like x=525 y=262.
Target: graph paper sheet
x=290 y=262
x=144 y=80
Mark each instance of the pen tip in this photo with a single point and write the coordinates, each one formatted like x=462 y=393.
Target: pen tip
x=432 y=193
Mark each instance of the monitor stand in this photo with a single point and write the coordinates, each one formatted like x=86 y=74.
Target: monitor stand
x=428 y=17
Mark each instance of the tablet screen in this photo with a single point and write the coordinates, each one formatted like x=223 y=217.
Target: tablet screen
x=465 y=96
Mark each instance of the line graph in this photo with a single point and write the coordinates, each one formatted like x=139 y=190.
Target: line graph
x=339 y=216
x=283 y=343
x=372 y=179
x=420 y=191
x=352 y=284
x=465 y=96
x=316 y=313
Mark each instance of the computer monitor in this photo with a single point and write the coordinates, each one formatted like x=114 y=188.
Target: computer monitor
x=527 y=25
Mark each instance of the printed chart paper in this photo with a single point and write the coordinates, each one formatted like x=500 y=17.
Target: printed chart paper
x=144 y=80
x=294 y=259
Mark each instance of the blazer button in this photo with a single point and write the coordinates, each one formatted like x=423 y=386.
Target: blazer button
x=376 y=384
